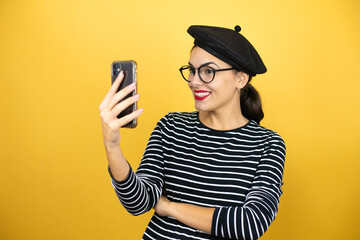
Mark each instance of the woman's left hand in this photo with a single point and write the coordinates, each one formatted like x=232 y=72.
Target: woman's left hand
x=162 y=206
x=191 y=215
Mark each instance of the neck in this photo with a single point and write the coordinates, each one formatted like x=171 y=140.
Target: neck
x=225 y=120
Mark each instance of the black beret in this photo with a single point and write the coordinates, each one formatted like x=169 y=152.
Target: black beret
x=230 y=46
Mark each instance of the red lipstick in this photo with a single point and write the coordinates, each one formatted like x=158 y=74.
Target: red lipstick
x=201 y=94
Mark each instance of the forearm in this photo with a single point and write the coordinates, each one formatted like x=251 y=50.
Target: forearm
x=118 y=165
x=191 y=215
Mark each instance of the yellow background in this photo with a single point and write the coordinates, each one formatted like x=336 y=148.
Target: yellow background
x=55 y=70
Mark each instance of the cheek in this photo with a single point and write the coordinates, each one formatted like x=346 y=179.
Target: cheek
x=219 y=86
x=189 y=85
x=225 y=90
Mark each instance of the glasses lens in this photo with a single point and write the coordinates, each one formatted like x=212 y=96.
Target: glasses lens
x=187 y=72
x=206 y=73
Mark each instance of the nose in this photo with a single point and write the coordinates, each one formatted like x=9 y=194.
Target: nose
x=195 y=81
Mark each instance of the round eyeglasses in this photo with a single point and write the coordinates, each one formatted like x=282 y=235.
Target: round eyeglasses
x=205 y=72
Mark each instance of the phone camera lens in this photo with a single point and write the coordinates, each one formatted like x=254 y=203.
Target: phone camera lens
x=116 y=69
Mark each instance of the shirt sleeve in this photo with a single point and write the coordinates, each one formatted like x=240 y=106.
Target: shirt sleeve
x=251 y=220
x=140 y=191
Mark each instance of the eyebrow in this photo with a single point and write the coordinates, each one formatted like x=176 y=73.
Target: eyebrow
x=205 y=64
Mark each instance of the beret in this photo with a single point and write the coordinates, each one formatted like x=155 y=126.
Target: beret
x=229 y=46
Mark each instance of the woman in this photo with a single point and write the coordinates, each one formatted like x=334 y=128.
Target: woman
x=210 y=174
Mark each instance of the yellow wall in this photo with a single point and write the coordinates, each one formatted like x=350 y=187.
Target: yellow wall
x=55 y=70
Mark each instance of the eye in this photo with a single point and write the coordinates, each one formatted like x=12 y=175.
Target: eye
x=192 y=70
x=208 y=70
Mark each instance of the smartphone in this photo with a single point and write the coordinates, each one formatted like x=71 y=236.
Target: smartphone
x=130 y=75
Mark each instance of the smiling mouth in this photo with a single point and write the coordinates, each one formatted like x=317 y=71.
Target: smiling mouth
x=200 y=95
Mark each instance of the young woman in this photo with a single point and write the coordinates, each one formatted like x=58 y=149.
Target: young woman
x=210 y=174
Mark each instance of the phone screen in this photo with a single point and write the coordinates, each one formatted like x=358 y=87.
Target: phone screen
x=129 y=69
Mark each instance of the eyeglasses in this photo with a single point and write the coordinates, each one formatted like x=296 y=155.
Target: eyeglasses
x=205 y=72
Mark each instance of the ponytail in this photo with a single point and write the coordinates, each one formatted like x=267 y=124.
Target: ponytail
x=250 y=103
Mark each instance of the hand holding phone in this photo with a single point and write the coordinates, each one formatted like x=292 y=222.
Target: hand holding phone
x=114 y=103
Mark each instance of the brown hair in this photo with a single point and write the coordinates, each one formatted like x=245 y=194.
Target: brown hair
x=250 y=103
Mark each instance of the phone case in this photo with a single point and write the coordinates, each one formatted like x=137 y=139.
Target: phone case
x=130 y=76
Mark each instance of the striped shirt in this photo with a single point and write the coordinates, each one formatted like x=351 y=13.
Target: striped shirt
x=237 y=172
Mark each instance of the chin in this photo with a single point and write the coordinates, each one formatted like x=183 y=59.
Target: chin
x=198 y=108
x=201 y=107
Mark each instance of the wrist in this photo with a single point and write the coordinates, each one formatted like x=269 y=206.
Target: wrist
x=111 y=147
x=172 y=209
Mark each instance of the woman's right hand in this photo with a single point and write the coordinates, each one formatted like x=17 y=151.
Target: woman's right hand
x=112 y=105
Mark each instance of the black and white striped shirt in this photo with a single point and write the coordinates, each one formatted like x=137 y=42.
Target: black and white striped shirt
x=237 y=172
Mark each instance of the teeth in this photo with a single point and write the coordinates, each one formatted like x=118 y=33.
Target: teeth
x=202 y=94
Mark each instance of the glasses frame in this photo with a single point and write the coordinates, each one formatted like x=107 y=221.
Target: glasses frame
x=197 y=70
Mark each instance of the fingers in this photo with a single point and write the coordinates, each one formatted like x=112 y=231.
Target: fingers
x=116 y=83
x=124 y=104
x=112 y=90
x=113 y=105
x=126 y=119
x=110 y=116
x=120 y=95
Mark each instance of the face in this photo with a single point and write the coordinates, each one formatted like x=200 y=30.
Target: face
x=223 y=93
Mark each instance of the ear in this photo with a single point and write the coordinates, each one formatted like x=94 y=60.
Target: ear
x=241 y=80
